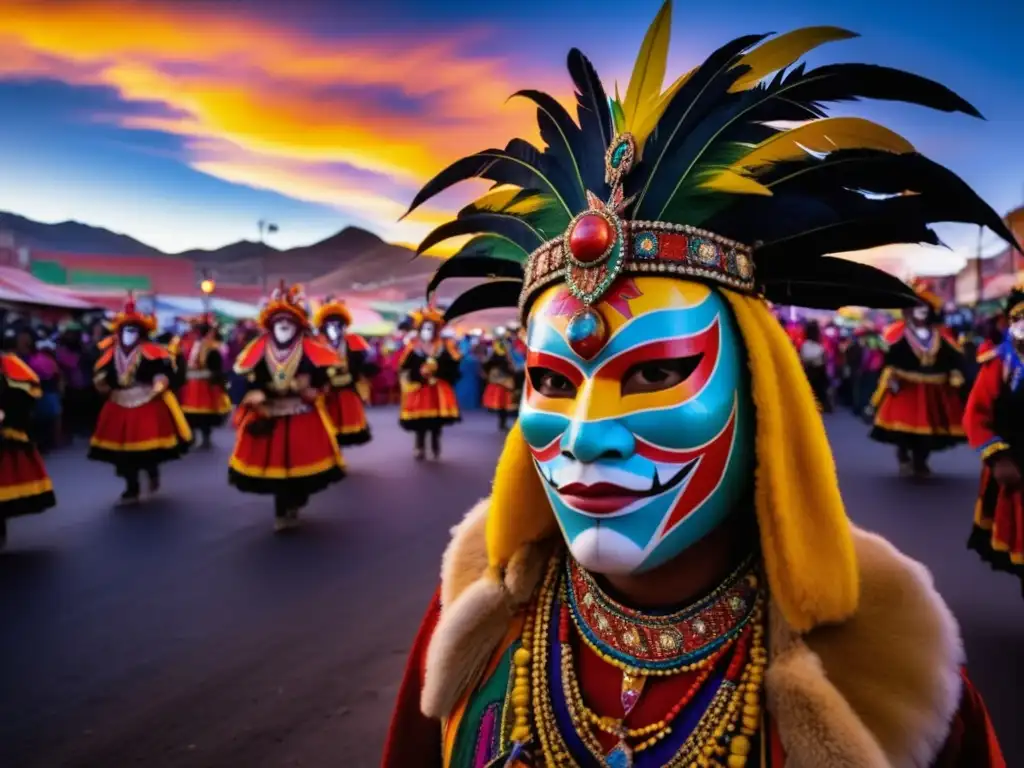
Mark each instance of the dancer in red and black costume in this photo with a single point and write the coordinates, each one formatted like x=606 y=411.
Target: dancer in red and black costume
x=428 y=367
x=204 y=395
x=919 y=402
x=345 y=403
x=285 y=446
x=500 y=369
x=995 y=428
x=141 y=425
x=25 y=487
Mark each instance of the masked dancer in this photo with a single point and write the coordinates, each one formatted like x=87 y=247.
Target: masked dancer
x=25 y=487
x=345 y=402
x=141 y=425
x=499 y=367
x=664 y=573
x=995 y=428
x=285 y=445
x=428 y=368
x=204 y=395
x=919 y=401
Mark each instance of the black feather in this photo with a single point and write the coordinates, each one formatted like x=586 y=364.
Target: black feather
x=519 y=164
x=492 y=295
x=595 y=120
x=831 y=283
x=473 y=266
x=513 y=228
x=851 y=82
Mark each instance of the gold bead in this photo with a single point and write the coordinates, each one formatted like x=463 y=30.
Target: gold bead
x=520 y=734
x=751 y=710
x=750 y=723
x=737 y=761
x=521 y=657
x=751 y=698
x=739 y=745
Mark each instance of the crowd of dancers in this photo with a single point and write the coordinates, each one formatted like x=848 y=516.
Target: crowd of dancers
x=295 y=393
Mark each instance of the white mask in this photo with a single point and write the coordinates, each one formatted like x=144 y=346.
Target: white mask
x=499 y=333
x=427 y=332
x=129 y=336
x=920 y=314
x=284 y=331
x=1017 y=330
x=334 y=331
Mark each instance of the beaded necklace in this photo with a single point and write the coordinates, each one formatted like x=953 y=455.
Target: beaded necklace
x=126 y=364
x=722 y=737
x=283 y=364
x=926 y=352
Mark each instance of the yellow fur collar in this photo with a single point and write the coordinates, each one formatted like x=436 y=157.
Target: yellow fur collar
x=877 y=691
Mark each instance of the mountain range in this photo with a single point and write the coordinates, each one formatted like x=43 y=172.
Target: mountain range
x=351 y=261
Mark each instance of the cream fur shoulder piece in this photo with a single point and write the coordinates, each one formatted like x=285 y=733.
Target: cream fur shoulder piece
x=877 y=691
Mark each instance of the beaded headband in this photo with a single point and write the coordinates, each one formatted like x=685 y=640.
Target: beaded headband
x=599 y=246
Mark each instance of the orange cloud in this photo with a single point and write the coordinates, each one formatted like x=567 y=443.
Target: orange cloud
x=273 y=90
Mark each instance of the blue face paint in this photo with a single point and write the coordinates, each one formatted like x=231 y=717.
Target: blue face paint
x=637 y=472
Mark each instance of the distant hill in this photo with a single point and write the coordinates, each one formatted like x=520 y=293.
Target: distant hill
x=73 y=236
x=353 y=261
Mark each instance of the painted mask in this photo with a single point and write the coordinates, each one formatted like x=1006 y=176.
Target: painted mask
x=427 y=331
x=130 y=335
x=1016 y=328
x=647 y=446
x=284 y=330
x=335 y=331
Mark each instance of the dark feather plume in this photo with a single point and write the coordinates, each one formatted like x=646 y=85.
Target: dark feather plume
x=474 y=267
x=496 y=294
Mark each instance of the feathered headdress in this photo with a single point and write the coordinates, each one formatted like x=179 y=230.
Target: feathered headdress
x=698 y=180
x=701 y=181
x=332 y=309
x=288 y=300
x=926 y=295
x=130 y=315
x=427 y=314
x=1015 y=301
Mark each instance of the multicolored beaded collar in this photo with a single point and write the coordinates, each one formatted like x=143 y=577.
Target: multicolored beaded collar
x=645 y=644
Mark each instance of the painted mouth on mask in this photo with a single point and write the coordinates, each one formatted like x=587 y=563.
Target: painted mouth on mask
x=606 y=498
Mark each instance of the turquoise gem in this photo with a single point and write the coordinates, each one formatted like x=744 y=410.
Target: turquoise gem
x=619 y=154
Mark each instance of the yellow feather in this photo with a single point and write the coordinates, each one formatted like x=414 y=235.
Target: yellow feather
x=827 y=135
x=736 y=184
x=782 y=51
x=649 y=70
x=645 y=127
x=497 y=198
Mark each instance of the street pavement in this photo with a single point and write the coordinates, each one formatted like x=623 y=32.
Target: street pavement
x=185 y=634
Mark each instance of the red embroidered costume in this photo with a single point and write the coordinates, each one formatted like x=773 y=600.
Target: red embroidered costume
x=285 y=445
x=141 y=425
x=599 y=610
x=919 y=402
x=995 y=428
x=428 y=368
x=203 y=394
x=25 y=487
x=500 y=367
x=345 y=402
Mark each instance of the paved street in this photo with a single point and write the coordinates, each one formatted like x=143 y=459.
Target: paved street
x=184 y=634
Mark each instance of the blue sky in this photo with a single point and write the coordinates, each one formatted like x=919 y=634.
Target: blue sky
x=183 y=124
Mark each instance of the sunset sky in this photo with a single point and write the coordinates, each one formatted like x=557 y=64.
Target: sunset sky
x=184 y=123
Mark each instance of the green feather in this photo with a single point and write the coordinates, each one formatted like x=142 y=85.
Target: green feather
x=618 y=115
x=693 y=204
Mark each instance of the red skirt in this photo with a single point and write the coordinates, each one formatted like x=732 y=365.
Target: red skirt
x=921 y=415
x=150 y=434
x=204 y=403
x=499 y=399
x=345 y=407
x=290 y=454
x=998 y=531
x=429 y=407
x=25 y=487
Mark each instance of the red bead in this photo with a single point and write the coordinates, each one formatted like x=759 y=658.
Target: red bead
x=587 y=333
x=591 y=237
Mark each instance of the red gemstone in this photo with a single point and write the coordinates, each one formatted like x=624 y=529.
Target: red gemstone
x=591 y=237
x=587 y=333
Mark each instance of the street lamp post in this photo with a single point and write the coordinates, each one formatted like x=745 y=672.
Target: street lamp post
x=265 y=228
x=207 y=285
